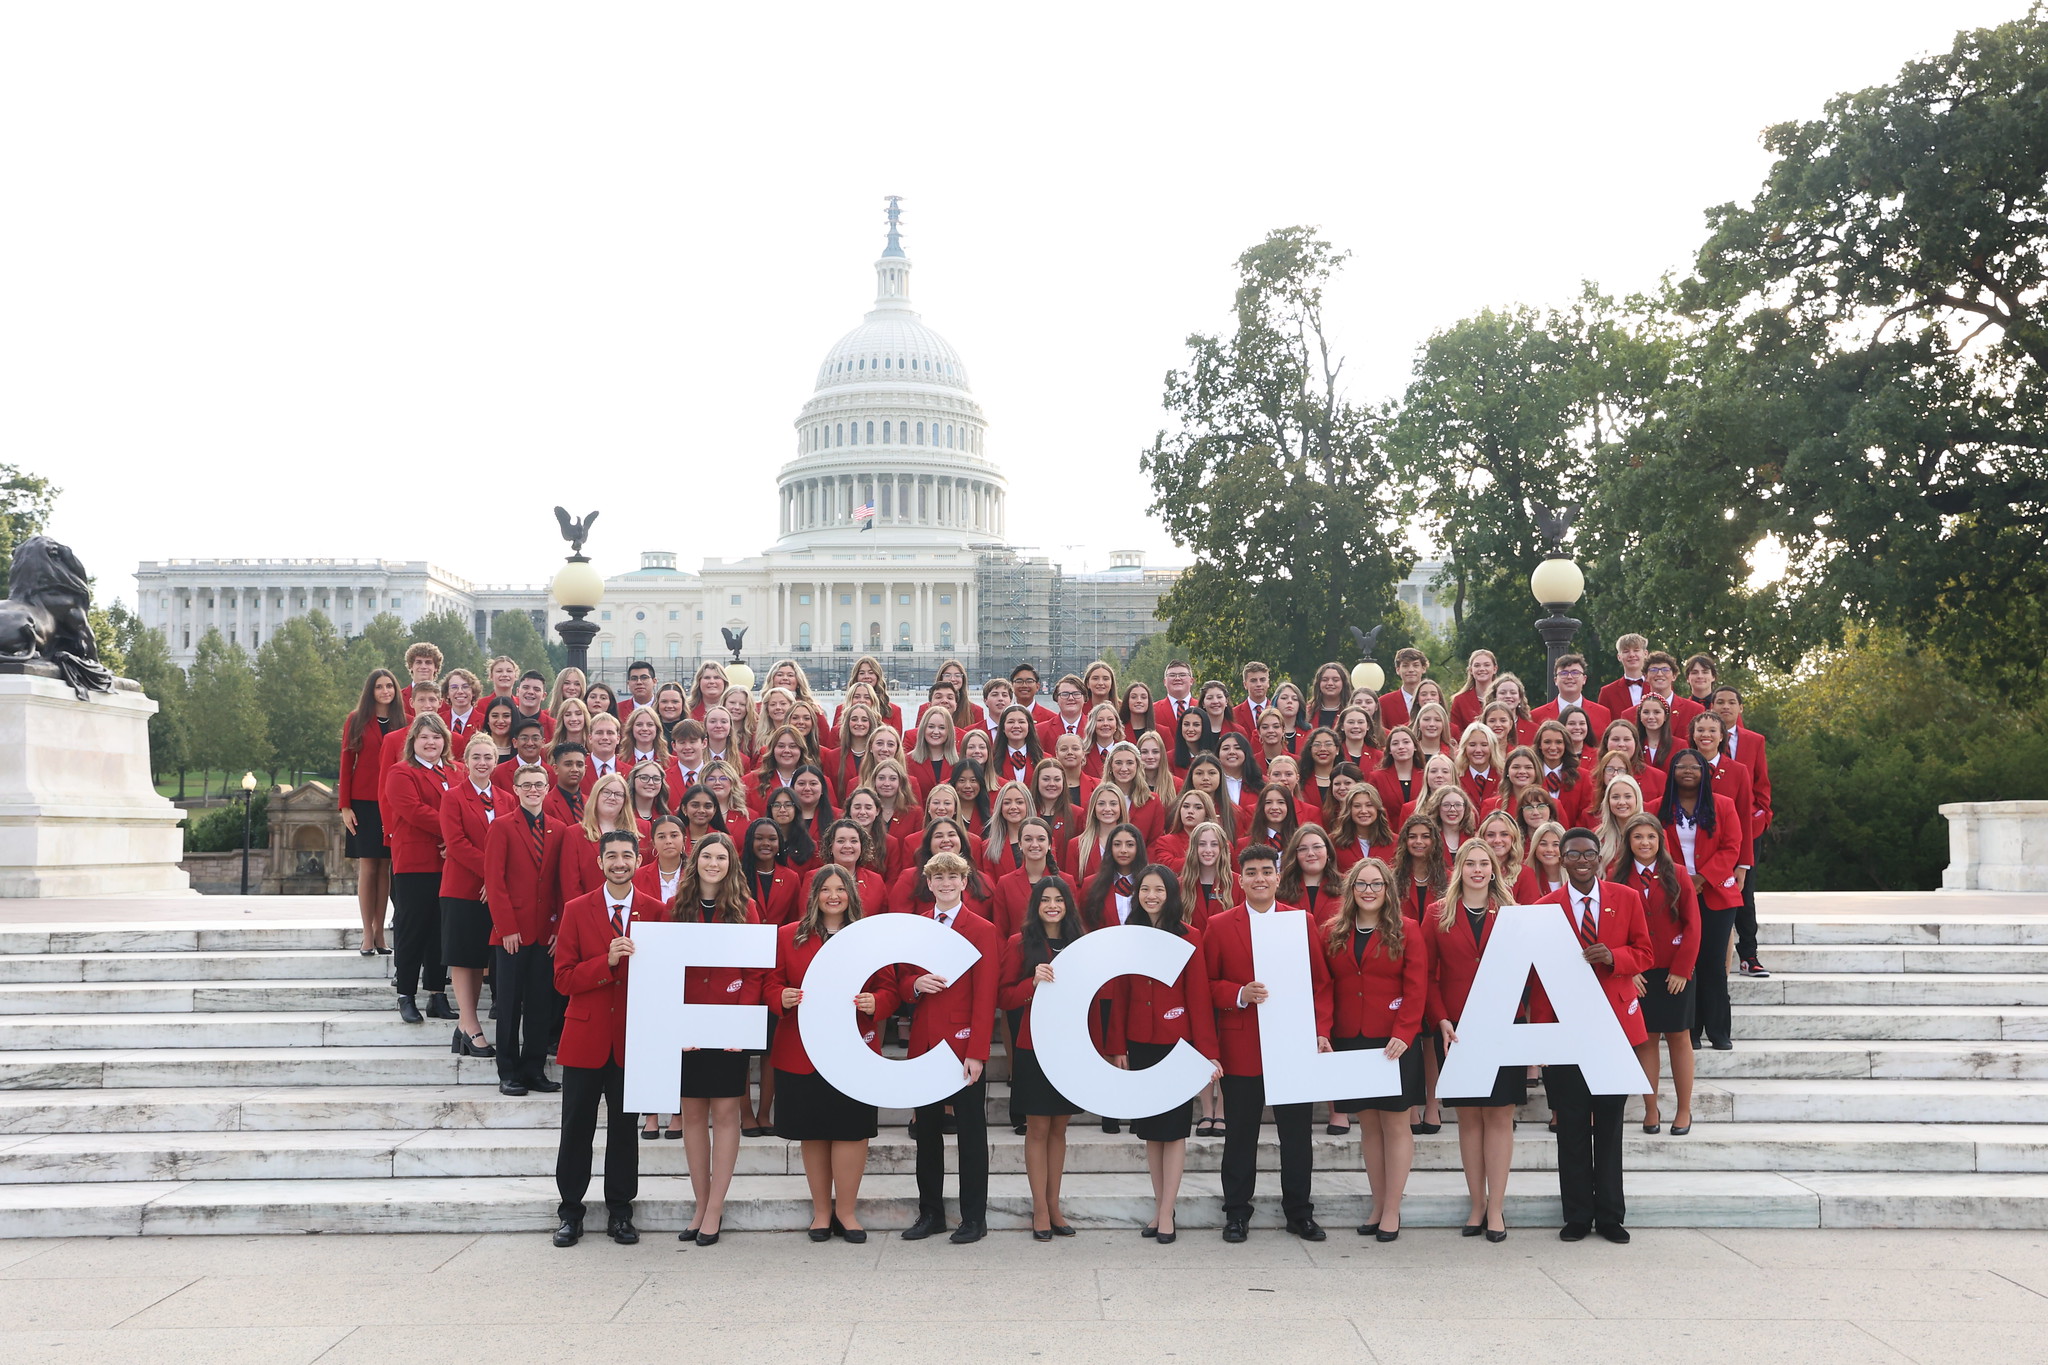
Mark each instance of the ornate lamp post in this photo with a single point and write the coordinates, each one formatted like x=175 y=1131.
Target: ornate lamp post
x=578 y=590
x=737 y=674
x=248 y=797
x=1557 y=583
x=1367 y=674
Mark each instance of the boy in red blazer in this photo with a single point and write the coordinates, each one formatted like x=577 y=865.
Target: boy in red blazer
x=1570 y=678
x=565 y=803
x=522 y=973
x=1609 y=920
x=1625 y=693
x=422 y=665
x=1237 y=992
x=961 y=1014
x=593 y=944
x=1180 y=687
x=1258 y=685
x=1398 y=706
x=529 y=740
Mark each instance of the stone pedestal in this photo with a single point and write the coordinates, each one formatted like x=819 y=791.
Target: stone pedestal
x=79 y=815
x=1996 y=846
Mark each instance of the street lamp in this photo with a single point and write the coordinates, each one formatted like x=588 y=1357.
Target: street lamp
x=577 y=589
x=1367 y=674
x=1557 y=583
x=248 y=798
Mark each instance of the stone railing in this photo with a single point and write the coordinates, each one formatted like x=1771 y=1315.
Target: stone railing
x=1997 y=846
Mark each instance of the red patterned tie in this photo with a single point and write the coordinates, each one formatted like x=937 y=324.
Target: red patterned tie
x=1123 y=887
x=1589 y=932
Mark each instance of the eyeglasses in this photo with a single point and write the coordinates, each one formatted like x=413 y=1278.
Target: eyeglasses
x=1372 y=886
x=1580 y=855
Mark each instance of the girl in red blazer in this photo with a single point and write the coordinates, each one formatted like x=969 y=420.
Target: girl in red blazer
x=890 y=783
x=1479 y=762
x=413 y=788
x=1103 y=732
x=937 y=749
x=1731 y=779
x=1148 y=1020
x=1208 y=776
x=357 y=791
x=1193 y=810
x=831 y=1126
x=1054 y=803
x=943 y=802
x=1454 y=934
x=1207 y=884
x=1379 y=983
x=1017 y=749
x=1359 y=731
x=1361 y=829
x=848 y=846
x=864 y=812
x=1273 y=820
x=1106 y=810
x=1702 y=833
x=909 y=895
x=1672 y=910
x=662 y=877
x=774 y=884
x=857 y=722
x=1480 y=670
x=1144 y=808
x=1556 y=770
x=1398 y=778
x=1052 y=923
x=467 y=810
x=1013 y=889
x=1007 y=814
x=714 y=1081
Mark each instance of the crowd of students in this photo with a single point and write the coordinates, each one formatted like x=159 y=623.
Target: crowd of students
x=518 y=830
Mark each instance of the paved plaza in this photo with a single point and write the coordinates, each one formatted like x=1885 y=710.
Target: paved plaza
x=1674 y=1294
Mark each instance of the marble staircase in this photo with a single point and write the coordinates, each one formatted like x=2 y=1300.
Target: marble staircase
x=254 y=1078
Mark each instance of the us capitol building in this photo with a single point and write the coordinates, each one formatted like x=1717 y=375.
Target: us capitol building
x=892 y=522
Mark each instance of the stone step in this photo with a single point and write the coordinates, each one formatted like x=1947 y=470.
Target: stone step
x=1848 y=1059
x=286 y=936
x=299 y=1028
x=1879 y=1023
x=245 y=1066
x=1766 y=1100
x=1912 y=957
x=1901 y=929
x=349 y=1154
x=1858 y=988
x=759 y=1203
x=26 y=968
x=185 y=997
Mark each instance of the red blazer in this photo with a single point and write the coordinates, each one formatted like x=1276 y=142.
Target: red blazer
x=465 y=824
x=358 y=777
x=558 y=809
x=1750 y=753
x=874 y=892
x=1731 y=779
x=594 y=1021
x=1627 y=935
x=723 y=985
x=678 y=784
x=1465 y=708
x=569 y=868
x=1150 y=818
x=784 y=904
x=591 y=773
x=1394 y=708
x=1683 y=709
x=546 y=719
x=411 y=810
x=1453 y=962
x=1164 y=1013
x=1597 y=715
x=1351 y=855
x=1018 y=987
x=1674 y=929
x=472 y=725
x=1478 y=788
x=512 y=885
x=1049 y=732
x=1388 y=786
x=1163 y=718
x=792 y=960
x=647 y=881
x=1530 y=885
x=1168 y=849
x=1379 y=996
x=501 y=776
x=964 y=1014
x=1715 y=855
x=1619 y=699
x=1243 y=719
x=1227 y=948
x=1013 y=898
x=923 y=777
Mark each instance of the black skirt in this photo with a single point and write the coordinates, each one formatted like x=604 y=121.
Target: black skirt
x=1411 y=1079
x=809 y=1108
x=368 y=839
x=1664 y=1012
x=465 y=933
x=1175 y=1124
x=1035 y=1094
x=1510 y=1087
x=715 y=1074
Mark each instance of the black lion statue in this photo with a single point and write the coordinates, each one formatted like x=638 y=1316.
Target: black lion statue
x=45 y=614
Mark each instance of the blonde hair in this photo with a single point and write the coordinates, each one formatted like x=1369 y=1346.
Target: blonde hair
x=1516 y=853
x=812 y=925
x=1389 y=929
x=736 y=799
x=1433 y=803
x=1493 y=757
x=1168 y=790
x=626 y=742
x=1000 y=835
x=920 y=752
x=1497 y=892
x=904 y=799
x=1140 y=791
x=428 y=720
x=1224 y=887
x=555 y=698
x=763 y=726
x=1613 y=835
x=562 y=718
x=591 y=829
x=1093 y=833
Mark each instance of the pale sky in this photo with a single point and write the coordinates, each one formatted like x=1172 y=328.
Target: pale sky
x=392 y=280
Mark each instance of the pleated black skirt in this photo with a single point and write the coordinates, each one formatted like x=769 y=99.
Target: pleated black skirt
x=1411 y=1079
x=809 y=1108
x=1175 y=1124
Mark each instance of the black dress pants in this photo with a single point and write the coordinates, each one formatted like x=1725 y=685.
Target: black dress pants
x=582 y=1088
x=1244 y=1101
x=1716 y=1016
x=1588 y=1148
x=1745 y=919
x=523 y=995
x=416 y=932
x=970 y=1115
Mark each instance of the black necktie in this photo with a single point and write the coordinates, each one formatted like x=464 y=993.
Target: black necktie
x=1589 y=931
x=538 y=825
x=1123 y=887
x=618 y=921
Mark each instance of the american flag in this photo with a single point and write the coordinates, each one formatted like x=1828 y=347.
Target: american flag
x=865 y=515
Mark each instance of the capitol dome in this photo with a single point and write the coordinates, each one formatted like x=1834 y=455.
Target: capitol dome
x=892 y=424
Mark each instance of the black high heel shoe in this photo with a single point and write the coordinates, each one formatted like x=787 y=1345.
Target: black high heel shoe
x=1473 y=1229
x=467 y=1046
x=1041 y=1234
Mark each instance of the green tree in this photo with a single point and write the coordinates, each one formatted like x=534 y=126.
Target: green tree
x=226 y=717
x=1273 y=480
x=513 y=635
x=1511 y=411
x=381 y=645
x=1147 y=663
x=1874 y=347
x=302 y=706
x=149 y=664
x=451 y=631
x=25 y=504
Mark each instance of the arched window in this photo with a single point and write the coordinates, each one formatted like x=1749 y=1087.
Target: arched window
x=871 y=433
x=885 y=362
x=874 y=635
x=639 y=644
x=863 y=362
x=903 y=635
x=920 y=433
x=949 y=436
x=803 y=636
x=839 y=435
x=846 y=636
x=945 y=635
x=885 y=433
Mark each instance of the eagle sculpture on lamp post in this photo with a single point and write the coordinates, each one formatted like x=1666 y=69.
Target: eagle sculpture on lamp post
x=574 y=531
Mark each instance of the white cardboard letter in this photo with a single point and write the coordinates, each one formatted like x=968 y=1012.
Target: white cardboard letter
x=841 y=970
x=1059 y=1025
x=1586 y=1034
x=1295 y=1072
x=659 y=1024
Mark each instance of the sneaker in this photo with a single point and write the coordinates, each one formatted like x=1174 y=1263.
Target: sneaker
x=1752 y=967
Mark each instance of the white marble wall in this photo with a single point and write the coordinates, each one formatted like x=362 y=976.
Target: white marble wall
x=1997 y=846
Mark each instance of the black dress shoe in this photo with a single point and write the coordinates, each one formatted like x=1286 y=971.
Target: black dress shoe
x=1723 y=1045
x=1574 y=1232
x=1167 y=1239
x=1148 y=1232
x=541 y=1084
x=1472 y=1229
x=622 y=1231
x=821 y=1234
x=569 y=1233
x=1393 y=1236
x=855 y=1236
x=409 y=1011
x=910 y=1130
x=950 y=1125
x=1425 y=1129
x=1368 y=1229
x=511 y=1088
x=1062 y=1230
x=1615 y=1233
x=927 y=1225
x=1308 y=1230
x=439 y=1008
x=1041 y=1234
x=1496 y=1236
x=1112 y=1126
x=753 y=1132
x=970 y=1230
x=707 y=1239
x=1235 y=1231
